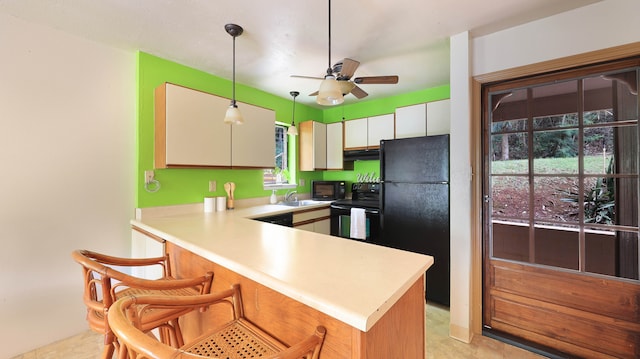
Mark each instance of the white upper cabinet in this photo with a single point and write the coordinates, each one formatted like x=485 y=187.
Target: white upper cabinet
x=439 y=117
x=411 y=121
x=355 y=134
x=320 y=146
x=365 y=133
x=185 y=132
x=252 y=143
x=334 y=146
x=190 y=131
x=380 y=128
x=424 y=119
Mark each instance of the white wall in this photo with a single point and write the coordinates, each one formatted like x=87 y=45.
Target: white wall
x=600 y=25
x=67 y=155
x=594 y=27
x=460 y=318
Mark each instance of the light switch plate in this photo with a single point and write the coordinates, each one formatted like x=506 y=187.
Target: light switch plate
x=212 y=186
x=301 y=182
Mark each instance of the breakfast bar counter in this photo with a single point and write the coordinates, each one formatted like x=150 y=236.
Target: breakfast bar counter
x=370 y=298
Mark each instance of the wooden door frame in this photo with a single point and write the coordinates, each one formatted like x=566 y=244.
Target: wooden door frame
x=589 y=58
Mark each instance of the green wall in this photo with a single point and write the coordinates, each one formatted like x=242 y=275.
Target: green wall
x=181 y=186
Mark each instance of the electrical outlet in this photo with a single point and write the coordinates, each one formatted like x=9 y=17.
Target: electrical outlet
x=148 y=176
x=301 y=182
x=212 y=186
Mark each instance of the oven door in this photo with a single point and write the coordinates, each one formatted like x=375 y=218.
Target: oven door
x=341 y=222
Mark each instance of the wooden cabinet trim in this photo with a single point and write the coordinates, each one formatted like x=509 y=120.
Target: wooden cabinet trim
x=160 y=126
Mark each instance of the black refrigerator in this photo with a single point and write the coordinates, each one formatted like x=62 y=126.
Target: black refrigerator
x=414 y=203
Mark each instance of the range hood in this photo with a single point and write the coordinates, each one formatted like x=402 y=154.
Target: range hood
x=355 y=155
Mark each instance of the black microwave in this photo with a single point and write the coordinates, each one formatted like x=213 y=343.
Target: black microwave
x=327 y=190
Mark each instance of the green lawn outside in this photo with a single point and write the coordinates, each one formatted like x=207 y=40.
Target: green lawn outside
x=568 y=165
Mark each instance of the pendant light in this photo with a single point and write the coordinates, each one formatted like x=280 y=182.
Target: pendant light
x=233 y=115
x=330 y=93
x=293 y=131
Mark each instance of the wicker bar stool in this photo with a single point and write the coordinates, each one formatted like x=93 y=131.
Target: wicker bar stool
x=238 y=338
x=104 y=284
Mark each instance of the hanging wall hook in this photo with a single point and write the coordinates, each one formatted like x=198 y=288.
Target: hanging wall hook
x=150 y=183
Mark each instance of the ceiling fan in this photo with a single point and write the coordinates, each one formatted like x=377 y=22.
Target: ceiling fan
x=344 y=70
x=337 y=81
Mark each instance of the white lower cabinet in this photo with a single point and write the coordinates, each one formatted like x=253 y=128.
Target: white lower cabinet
x=313 y=220
x=322 y=226
x=144 y=246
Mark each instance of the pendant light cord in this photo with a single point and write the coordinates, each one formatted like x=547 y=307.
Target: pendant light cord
x=329 y=69
x=233 y=95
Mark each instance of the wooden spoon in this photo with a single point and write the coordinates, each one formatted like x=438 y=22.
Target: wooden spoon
x=227 y=188
x=233 y=188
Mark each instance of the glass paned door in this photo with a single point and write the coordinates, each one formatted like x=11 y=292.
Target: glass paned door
x=561 y=209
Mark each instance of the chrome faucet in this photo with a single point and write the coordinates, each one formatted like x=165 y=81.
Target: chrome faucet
x=287 y=196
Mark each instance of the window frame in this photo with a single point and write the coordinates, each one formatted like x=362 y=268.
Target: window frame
x=269 y=172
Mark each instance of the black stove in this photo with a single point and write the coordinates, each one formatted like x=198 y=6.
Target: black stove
x=363 y=195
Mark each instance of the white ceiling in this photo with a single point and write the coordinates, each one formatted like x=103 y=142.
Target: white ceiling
x=408 y=38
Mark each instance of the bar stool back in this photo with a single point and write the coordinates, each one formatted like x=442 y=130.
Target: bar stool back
x=104 y=283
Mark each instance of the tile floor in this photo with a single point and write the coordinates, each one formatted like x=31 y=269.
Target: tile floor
x=88 y=345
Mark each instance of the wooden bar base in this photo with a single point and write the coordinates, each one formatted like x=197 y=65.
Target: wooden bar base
x=400 y=333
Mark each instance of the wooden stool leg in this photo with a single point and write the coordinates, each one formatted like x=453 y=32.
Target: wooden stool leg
x=107 y=352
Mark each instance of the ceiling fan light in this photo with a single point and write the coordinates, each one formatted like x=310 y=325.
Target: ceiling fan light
x=330 y=93
x=346 y=86
x=233 y=116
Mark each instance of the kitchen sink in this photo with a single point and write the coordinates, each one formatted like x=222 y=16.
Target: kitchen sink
x=302 y=203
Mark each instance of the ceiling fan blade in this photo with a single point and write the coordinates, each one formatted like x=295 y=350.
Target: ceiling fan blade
x=346 y=86
x=349 y=67
x=358 y=92
x=308 y=77
x=376 y=80
x=314 y=94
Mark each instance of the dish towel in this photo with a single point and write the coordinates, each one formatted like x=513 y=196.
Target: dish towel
x=358 y=223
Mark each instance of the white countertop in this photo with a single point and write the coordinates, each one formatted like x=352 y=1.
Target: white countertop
x=351 y=281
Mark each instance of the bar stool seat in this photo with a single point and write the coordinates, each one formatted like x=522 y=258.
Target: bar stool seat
x=238 y=338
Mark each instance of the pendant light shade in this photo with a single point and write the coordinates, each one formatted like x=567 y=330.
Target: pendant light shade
x=293 y=131
x=330 y=93
x=233 y=115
